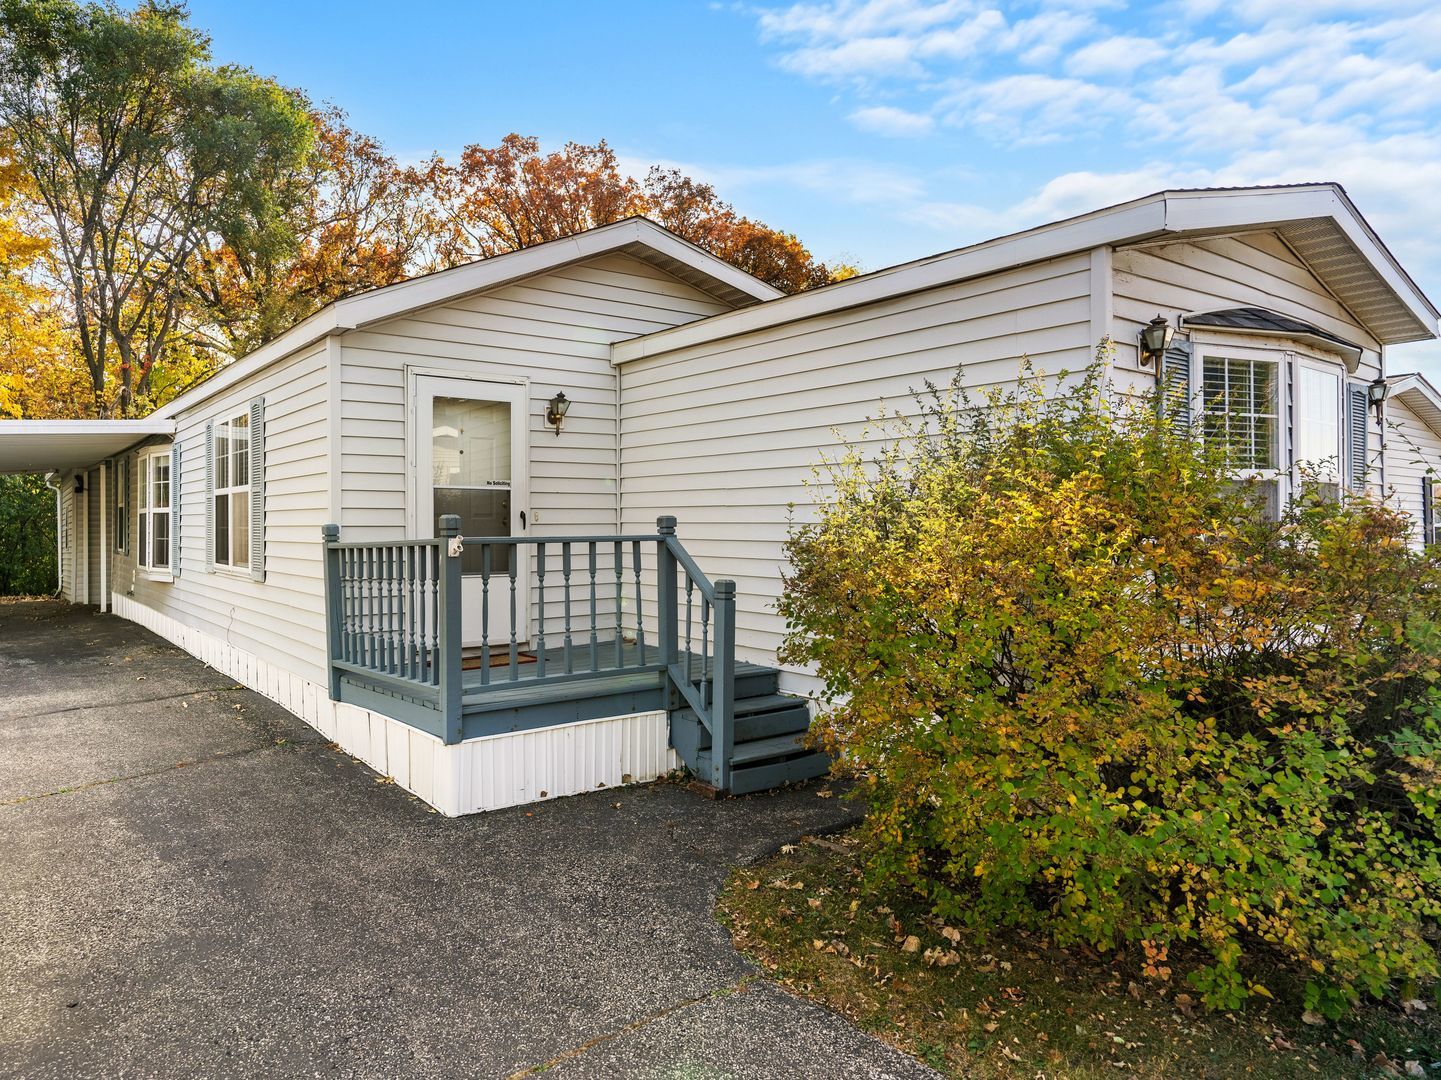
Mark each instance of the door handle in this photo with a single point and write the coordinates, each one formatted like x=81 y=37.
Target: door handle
x=522 y=519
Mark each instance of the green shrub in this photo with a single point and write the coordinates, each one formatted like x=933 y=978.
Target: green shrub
x=1090 y=691
x=27 y=536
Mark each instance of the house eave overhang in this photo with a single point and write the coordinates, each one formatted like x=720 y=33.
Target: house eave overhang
x=58 y=446
x=1318 y=220
x=637 y=237
x=1415 y=391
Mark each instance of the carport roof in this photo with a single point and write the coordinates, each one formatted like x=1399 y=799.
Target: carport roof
x=43 y=446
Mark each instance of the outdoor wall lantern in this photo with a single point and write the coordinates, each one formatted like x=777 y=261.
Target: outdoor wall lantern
x=556 y=410
x=1155 y=340
x=79 y=484
x=1376 y=392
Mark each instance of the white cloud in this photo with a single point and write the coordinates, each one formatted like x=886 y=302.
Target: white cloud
x=892 y=122
x=1176 y=93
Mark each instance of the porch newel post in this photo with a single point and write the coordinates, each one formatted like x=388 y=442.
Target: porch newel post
x=724 y=687
x=667 y=629
x=449 y=645
x=331 y=536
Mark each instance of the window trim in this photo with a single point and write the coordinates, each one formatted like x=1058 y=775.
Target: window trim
x=223 y=429
x=145 y=508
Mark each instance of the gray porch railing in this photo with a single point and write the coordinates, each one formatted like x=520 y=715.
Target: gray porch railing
x=395 y=613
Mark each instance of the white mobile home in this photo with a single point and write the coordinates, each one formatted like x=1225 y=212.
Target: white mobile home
x=505 y=611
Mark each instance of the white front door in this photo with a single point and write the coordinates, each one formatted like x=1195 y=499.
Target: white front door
x=471 y=455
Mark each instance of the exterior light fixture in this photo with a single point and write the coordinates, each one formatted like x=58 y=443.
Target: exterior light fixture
x=555 y=412
x=1376 y=392
x=1155 y=340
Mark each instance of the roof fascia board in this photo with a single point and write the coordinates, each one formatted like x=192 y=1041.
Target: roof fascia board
x=151 y=425
x=424 y=292
x=300 y=336
x=1128 y=222
x=406 y=296
x=1418 y=384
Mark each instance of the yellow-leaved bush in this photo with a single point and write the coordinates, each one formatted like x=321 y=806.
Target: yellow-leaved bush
x=1089 y=690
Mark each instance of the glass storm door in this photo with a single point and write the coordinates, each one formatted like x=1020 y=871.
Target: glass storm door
x=471 y=458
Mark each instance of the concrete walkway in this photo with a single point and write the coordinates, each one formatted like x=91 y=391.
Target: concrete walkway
x=192 y=883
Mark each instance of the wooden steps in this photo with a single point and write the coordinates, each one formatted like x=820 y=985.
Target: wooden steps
x=770 y=738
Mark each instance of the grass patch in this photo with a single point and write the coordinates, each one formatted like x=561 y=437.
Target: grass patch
x=1015 y=1006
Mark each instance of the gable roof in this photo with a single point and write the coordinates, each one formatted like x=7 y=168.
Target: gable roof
x=637 y=237
x=1319 y=221
x=1423 y=399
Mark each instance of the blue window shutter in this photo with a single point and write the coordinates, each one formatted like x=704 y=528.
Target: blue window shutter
x=257 y=489
x=1428 y=512
x=210 y=498
x=1356 y=437
x=175 y=509
x=1176 y=386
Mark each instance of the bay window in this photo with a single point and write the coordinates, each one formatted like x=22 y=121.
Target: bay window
x=1277 y=416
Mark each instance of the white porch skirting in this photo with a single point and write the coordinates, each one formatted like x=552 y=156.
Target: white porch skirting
x=464 y=778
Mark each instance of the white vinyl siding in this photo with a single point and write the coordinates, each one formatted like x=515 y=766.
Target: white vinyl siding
x=554 y=330
x=1254 y=270
x=724 y=434
x=279 y=620
x=1413 y=454
x=67 y=536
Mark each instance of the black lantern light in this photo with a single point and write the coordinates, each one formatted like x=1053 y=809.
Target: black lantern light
x=1156 y=339
x=1376 y=392
x=556 y=410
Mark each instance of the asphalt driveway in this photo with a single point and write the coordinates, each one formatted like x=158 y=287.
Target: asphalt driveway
x=193 y=883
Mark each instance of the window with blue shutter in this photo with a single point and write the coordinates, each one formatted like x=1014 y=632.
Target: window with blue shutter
x=1176 y=385
x=257 y=489
x=1428 y=511
x=175 y=509
x=1357 y=435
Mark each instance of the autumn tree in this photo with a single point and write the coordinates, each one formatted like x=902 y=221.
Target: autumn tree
x=511 y=196
x=354 y=220
x=32 y=342
x=141 y=155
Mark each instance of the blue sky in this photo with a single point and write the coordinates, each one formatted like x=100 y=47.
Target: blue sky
x=883 y=130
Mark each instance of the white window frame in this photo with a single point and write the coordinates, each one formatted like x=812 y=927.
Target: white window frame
x=1302 y=361
x=149 y=510
x=1220 y=348
x=235 y=471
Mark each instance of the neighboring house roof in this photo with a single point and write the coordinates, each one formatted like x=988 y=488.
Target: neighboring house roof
x=1254 y=320
x=1318 y=221
x=636 y=236
x=1423 y=399
x=37 y=446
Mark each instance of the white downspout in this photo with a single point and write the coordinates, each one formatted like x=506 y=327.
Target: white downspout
x=51 y=482
x=104 y=553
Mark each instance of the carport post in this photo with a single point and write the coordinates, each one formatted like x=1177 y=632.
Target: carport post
x=104 y=545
